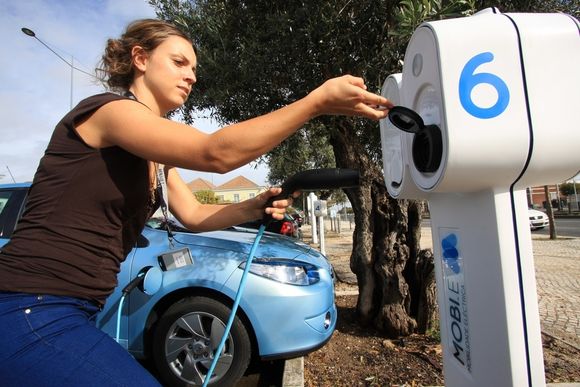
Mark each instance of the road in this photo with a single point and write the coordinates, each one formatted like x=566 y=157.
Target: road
x=569 y=227
x=565 y=227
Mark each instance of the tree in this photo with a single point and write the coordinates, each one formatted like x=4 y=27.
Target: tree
x=206 y=196
x=256 y=56
x=550 y=213
x=571 y=7
x=569 y=189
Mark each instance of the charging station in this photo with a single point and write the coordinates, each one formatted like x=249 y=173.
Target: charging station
x=488 y=106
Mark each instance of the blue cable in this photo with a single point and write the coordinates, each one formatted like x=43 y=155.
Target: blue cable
x=236 y=303
x=117 y=338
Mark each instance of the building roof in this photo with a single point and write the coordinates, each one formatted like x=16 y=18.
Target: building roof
x=239 y=182
x=200 y=185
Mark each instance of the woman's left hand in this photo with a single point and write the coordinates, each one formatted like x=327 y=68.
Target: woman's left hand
x=278 y=207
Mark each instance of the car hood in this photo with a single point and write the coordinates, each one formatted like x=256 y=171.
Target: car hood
x=536 y=213
x=240 y=240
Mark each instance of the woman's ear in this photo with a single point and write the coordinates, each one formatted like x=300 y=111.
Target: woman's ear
x=139 y=57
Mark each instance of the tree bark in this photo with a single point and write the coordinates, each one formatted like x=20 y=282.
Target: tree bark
x=386 y=256
x=550 y=213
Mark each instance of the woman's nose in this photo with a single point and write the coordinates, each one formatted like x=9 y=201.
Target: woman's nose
x=190 y=77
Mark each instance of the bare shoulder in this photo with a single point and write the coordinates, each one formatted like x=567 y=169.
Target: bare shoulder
x=114 y=117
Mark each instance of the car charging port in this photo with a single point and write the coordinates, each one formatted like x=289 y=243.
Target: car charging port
x=427 y=149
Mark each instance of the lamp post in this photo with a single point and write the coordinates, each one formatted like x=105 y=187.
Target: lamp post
x=29 y=32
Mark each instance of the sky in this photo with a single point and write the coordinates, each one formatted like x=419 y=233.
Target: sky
x=35 y=85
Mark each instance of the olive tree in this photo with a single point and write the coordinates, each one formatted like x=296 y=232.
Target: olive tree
x=257 y=56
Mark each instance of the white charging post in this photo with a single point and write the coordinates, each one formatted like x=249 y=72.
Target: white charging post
x=320 y=211
x=311 y=199
x=498 y=96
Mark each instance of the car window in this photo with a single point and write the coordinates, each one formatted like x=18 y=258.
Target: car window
x=3 y=201
x=11 y=203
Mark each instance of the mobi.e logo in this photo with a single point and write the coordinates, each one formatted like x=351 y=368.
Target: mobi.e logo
x=450 y=253
x=456 y=304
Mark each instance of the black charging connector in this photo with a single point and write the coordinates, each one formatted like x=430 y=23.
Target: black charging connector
x=316 y=179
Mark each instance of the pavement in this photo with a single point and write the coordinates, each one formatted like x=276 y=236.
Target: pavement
x=557 y=266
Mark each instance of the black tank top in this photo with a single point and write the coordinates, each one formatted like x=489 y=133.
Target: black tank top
x=85 y=210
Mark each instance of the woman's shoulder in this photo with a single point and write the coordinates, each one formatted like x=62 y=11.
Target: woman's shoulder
x=92 y=103
x=101 y=97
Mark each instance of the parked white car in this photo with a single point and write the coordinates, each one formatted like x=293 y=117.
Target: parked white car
x=538 y=219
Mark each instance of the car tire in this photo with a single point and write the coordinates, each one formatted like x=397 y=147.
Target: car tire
x=186 y=337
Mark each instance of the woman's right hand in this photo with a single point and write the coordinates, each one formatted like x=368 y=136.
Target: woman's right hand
x=348 y=95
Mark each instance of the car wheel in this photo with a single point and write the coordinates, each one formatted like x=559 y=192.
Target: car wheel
x=186 y=338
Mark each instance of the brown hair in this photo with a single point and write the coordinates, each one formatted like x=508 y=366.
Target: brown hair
x=116 y=67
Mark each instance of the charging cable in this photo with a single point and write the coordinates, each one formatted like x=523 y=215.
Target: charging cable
x=149 y=281
x=220 y=347
x=126 y=290
x=329 y=178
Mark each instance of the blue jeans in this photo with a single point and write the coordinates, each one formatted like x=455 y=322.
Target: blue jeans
x=53 y=341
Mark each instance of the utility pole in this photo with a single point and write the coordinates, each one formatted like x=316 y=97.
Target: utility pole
x=11 y=175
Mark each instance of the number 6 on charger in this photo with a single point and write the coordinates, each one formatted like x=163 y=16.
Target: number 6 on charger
x=469 y=80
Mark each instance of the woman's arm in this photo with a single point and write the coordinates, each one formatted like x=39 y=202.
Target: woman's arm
x=133 y=127
x=204 y=217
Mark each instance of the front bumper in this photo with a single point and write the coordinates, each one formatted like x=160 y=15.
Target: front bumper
x=288 y=320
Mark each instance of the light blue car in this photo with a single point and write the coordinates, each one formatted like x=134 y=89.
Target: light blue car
x=287 y=308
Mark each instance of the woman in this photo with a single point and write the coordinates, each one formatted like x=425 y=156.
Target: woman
x=96 y=186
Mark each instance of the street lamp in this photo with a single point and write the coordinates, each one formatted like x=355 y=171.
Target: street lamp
x=32 y=34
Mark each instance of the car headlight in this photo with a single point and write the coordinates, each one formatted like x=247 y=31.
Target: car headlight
x=285 y=271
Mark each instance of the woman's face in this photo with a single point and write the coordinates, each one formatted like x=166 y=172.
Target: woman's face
x=170 y=72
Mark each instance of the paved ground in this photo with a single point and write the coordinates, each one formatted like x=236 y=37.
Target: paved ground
x=558 y=282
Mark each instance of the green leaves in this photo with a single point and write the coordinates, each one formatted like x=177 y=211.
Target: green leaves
x=411 y=13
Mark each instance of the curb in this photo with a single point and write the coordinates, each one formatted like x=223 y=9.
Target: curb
x=293 y=373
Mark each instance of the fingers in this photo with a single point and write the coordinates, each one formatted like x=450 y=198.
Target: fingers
x=282 y=203
x=278 y=207
x=374 y=112
x=276 y=213
x=356 y=81
x=367 y=104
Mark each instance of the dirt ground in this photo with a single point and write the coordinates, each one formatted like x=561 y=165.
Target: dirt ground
x=361 y=356
x=358 y=356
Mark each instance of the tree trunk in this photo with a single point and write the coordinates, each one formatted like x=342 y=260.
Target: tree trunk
x=550 y=213
x=395 y=278
x=420 y=273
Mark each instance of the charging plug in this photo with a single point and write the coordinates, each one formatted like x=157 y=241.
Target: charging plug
x=314 y=180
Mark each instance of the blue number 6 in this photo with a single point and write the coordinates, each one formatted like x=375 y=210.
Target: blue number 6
x=469 y=80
